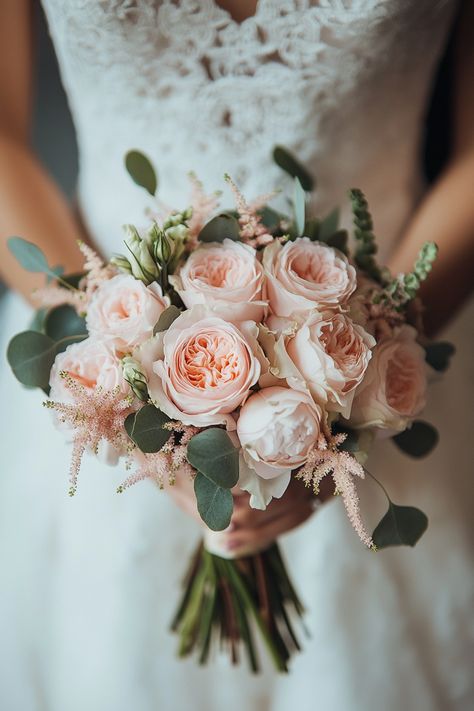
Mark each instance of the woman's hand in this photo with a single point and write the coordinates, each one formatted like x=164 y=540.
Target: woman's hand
x=251 y=528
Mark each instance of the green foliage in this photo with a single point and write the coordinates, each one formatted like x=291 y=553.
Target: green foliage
x=366 y=246
x=220 y=228
x=401 y=526
x=339 y=240
x=31 y=356
x=215 y=503
x=37 y=322
x=299 y=199
x=287 y=162
x=31 y=257
x=438 y=355
x=141 y=171
x=417 y=441
x=213 y=454
x=166 y=319
x=404 y=289
x=329 y=225
x=62 y=322
x=351 y=443
x=270 y=218
x=145 y=428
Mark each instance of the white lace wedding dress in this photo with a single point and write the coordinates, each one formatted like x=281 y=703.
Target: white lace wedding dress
x=89 y=584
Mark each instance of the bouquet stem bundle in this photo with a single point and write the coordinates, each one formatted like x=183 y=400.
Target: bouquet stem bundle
x=226 y=601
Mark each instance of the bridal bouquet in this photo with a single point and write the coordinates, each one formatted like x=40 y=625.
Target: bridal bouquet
x=240 y=349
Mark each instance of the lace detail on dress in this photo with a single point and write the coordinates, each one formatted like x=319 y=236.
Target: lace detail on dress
x=343 y=83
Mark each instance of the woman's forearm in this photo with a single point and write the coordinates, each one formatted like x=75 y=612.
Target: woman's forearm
x=31 y=206
x=446 y=216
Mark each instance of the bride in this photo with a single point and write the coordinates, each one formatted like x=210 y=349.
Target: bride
x=88 y=585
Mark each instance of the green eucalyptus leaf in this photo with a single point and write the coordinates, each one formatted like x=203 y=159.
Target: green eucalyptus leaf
x=213 y=454
x=311 y=229
x=351 y=443
x=141 y=171
x=401 y=526
x=329 y=225
x=166 y=319
x=220 y=228
x=299 y=199
x=145 y=428
x=339 y=240
x=73 y=279
x=438 y=355
x=214 y=503
x=63 y=321
x=30 y=256
x=37 y=322
x=418 y=440
x=58 y=271
x=270 y=218
x=287 y=162
x=31 y=355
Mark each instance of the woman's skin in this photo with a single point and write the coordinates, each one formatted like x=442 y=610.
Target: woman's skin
x=32 y=206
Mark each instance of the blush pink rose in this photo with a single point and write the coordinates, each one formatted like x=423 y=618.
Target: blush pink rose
x=303 y=275
x=227 y=277
x=332 y=354
x=124 y=311
x=202 y=368
x=394 y=388
x=90 y=363
x=277 y=428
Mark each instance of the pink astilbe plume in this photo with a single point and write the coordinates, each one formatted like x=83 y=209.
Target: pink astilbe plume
x=162 y=466
x=94 y=415
x=96 y=270
x=326 y=459
x=52 y=295
x=203 y=207
x=251 y=229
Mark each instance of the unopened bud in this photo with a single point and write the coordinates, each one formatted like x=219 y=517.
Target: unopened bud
x=135 y=377
x=122 y=263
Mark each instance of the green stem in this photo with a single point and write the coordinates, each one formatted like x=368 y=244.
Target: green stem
x=379 y=483
x=241 y=588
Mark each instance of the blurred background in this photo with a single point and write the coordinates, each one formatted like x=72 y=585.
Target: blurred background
x=53 y=130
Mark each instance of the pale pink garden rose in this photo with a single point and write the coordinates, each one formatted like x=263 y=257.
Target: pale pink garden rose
x=227 y=277
x=202 y=368
x=393 y=391
x=331 y=354
x=277 y=428
x=90 y=363
x=123 y=311
x=303 y=275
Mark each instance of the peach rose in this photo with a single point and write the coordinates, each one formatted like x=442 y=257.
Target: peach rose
x=393 y=390
x=277 y=427
x=90 y=363
x=227 y=277
x=303 y=275
x=202 y=368
x=331 y=354
x=124 y=311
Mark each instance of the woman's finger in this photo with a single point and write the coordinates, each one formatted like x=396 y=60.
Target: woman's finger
x=264 y=535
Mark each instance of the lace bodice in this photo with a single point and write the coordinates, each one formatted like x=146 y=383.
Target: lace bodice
x=342 y=83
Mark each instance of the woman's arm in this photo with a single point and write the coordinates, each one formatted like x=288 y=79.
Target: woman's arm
x=31 y=205
x=446 y=216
